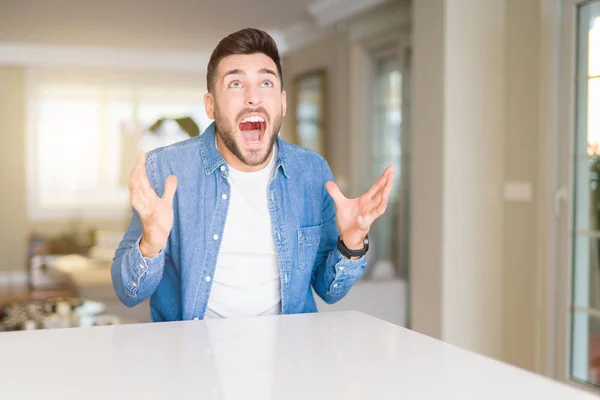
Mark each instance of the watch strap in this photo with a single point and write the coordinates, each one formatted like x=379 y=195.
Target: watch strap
x=346 y=252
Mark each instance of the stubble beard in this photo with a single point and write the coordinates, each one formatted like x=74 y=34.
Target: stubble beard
x=227 y=134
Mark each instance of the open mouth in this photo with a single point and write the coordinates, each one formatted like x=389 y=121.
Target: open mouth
x=253 y=129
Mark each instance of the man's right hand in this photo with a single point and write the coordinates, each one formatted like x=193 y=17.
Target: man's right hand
x=156 y=213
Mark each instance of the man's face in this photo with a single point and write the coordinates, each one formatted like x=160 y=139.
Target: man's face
x=247 y=104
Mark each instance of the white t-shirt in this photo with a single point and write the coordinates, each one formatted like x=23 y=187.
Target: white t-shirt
x=246 y=280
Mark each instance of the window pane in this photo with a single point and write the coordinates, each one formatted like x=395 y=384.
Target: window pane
x=87 y=138
x=309 y=111
x=309 y=131
x=585 y=353
x=593 y=115
x=594 y=47
x=120 y=138
x=385 y=150
x=67 y=149
x=587 y=277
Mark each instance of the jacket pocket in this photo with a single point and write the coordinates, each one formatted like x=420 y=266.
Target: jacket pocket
x=308 y=245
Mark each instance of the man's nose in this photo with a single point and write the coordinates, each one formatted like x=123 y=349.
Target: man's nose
x=252 y=96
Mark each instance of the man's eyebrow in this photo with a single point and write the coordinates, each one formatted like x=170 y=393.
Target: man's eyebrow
x=234 y=72
x=267 y=71
x=238 y=71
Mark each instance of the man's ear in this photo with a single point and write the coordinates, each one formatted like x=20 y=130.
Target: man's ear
x=283 y=103
x=209 y=105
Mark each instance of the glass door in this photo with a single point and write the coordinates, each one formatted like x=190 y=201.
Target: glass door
x=385 y=254
x=585 y=297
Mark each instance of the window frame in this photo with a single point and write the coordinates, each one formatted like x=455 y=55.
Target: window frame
x=562 y=136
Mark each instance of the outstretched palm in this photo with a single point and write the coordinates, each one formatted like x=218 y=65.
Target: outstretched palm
x=355 y=216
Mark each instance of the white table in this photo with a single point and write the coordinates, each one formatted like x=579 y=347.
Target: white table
x=341 y=355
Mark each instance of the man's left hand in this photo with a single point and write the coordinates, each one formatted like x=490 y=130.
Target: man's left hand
x=355 y=216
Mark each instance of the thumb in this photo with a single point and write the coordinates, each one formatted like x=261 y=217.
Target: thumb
x=170 y=188
x=334 y=191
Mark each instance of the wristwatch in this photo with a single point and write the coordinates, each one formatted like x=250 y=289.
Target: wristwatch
x=346 y=252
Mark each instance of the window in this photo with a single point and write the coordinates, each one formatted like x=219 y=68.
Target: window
x=386 y=232
x=84 y=139
x=585 y=315
x=310 y=111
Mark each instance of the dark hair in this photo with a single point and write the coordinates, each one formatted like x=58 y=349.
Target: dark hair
x=246 y=41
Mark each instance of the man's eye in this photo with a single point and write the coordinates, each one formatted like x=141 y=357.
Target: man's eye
x=267 y=84
x=235 y=84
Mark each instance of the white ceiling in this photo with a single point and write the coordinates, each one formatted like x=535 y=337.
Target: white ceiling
x=187 y=25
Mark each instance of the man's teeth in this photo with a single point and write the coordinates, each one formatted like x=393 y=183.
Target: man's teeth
x=253 y=119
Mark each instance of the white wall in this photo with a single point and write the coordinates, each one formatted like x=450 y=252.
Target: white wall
x=474 y=98
x=13 y=228
x=523 y=244
x=426 y=235
x=479 y=260
x=457 y=281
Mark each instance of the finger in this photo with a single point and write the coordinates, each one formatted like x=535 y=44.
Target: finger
x=366 y=219
x=380 y=209
x=141 y=160
x=136 y=193
x=140 y=199
x=376 y=188
x=387 y=184
x=138 y=204
x=380 y=182
x=371 y=204
x=334 y=191
x=143 y=177
x=134 y=177
x=138 y=170
x=170 y=188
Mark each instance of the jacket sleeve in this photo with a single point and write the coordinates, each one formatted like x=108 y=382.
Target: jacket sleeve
x=333 y=275
x=135 y=277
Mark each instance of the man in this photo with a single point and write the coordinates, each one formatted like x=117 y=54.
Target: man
x=237 y=222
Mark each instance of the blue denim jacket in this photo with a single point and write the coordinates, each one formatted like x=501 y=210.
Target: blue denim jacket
x=178 y=280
